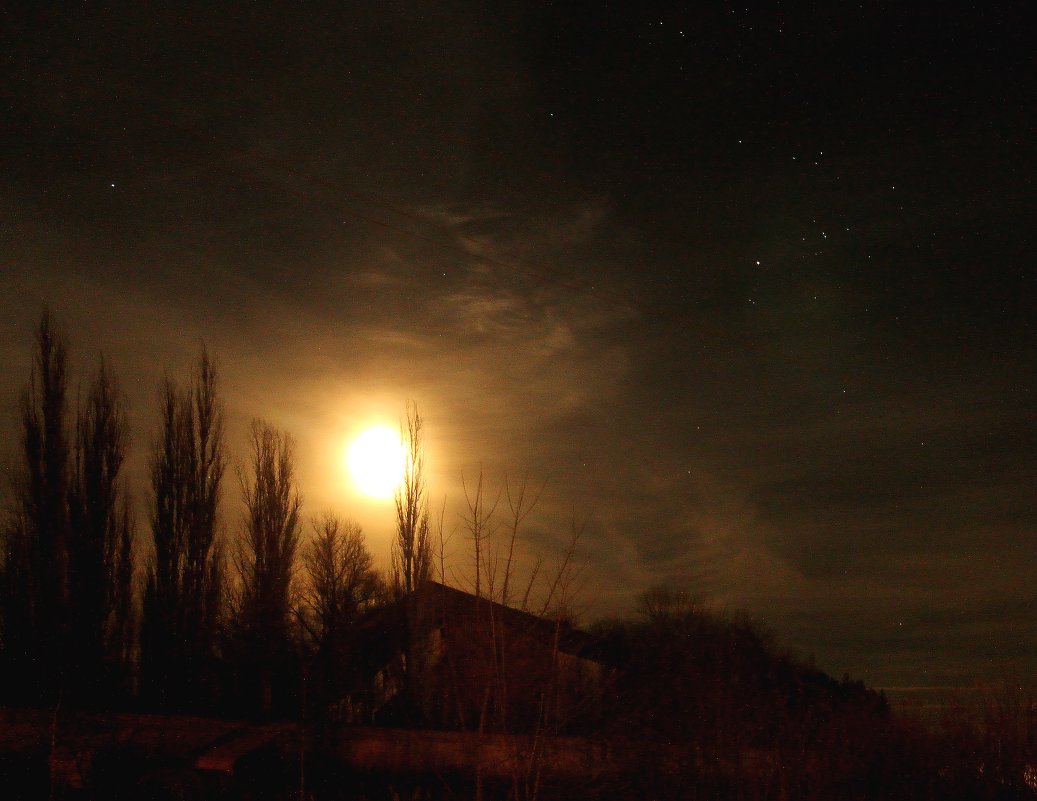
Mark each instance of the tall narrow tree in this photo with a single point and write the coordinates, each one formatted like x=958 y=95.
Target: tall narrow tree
x=35 y=586
x=101 y=549
x=411 y=553
x=182 y=598
x=265 y=558
x=412 y=545
x=203 y=562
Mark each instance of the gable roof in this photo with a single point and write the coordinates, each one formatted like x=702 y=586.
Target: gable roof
x=571 y=640
x=383 y=629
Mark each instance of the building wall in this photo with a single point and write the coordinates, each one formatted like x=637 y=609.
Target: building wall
x=481 y=667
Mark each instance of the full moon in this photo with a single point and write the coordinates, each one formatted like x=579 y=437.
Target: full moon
x=375 y=460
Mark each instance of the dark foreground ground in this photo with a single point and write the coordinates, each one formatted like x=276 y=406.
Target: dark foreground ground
x=126 y=756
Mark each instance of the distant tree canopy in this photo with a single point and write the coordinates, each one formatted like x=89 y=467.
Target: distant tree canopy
x=687 y=672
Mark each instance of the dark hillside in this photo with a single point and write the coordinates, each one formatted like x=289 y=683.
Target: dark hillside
x=773 y=725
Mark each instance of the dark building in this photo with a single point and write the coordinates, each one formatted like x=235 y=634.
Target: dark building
x=445 y=658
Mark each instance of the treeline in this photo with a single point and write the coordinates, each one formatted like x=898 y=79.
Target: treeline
x=772 y=725
x=107 y=603
x=767 y=725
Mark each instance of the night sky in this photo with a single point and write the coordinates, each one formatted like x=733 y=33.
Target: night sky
x=750 y=289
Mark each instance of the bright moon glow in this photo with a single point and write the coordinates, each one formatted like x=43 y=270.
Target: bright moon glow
x=375 y=460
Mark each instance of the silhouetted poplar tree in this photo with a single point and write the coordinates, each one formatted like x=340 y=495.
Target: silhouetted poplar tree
x=36 y=559
x=265 y=558
x=101 y=553
x=412 y=546
x=184 y=588
x=411 y=552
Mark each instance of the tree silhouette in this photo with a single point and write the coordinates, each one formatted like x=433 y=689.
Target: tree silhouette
x=411 y=552
x=412 y=545
x=101 y=554
x=182 y=599
x=265 y=557
x=341 y=584
x=36 y=559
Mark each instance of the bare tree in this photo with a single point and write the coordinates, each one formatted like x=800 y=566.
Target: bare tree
x=36 y=586
x=182 y=598
x=523 y=679
x=101 y=547
x=478 y=521
x=412 y=546
x=342 y=581
x=661 y=605
x=341 y=584
x=68 y=567
x=203 y=558
x=162 y=654
x=519 y=508
x=265 y=557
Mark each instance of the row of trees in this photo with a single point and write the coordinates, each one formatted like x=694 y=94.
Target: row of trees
x=68 y=568
x=98 y=610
